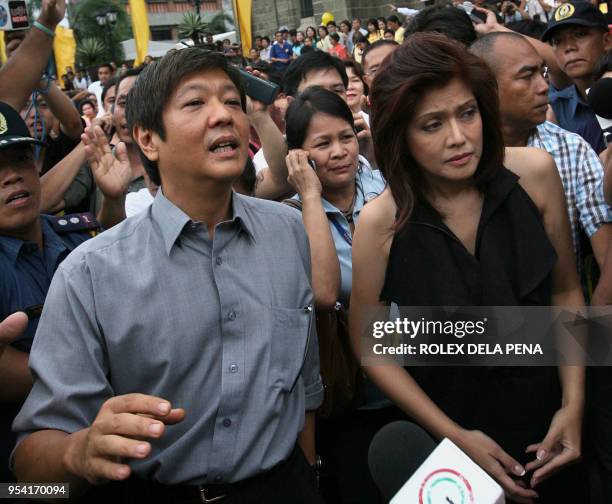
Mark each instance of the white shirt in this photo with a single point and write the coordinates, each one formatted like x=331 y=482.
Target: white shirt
x=97 y=88
x=136 y=202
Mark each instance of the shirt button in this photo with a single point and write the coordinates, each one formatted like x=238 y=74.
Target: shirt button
x=233 y=368
x=231 y=315
x=227 y=422
x=218 y=479
x=219 y=260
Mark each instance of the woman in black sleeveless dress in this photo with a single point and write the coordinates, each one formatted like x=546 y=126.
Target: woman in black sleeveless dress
x=456 y=228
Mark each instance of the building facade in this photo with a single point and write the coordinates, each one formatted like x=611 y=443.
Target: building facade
x=269 y=15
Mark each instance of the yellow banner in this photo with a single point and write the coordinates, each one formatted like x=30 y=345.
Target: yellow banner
x=140 y=29
x=64 y=49
x=2 y=48
x=242 y=11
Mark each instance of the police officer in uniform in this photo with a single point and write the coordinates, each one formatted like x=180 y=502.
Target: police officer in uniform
x=31 y=248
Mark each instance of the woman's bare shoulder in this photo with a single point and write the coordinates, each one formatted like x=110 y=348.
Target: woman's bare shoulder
x=535 y=167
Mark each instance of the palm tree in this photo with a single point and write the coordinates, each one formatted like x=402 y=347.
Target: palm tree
x=90 y=51
x=193 y=27
x=83 y=22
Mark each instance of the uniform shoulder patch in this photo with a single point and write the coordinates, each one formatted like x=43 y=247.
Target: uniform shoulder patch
x=74 y=222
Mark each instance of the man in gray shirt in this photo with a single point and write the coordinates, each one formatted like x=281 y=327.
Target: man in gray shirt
x=179 y=349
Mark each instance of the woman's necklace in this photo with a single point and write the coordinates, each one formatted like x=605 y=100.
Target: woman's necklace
x=348 y=213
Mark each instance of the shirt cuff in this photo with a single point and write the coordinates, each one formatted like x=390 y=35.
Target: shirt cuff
x=314 y=395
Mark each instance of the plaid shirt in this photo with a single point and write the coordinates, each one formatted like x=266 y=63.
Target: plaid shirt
x=581 y=173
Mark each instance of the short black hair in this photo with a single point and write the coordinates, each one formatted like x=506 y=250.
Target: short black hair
x=107 y=65
x=391 y=31
x=393 y=19
x=307 y=49
x=305 y=106
x=292 y=32
x=316 y=60
x=266 y=38
x=332 y=22
x=447 y=20
x=86 y=102
x=132 y=72
x=335 y=36
x=112 y=82
x=603 y=65
x=154 y=87
x=484 y=47
x=376 y=45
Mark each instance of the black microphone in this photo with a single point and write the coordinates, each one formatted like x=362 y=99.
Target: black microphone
x=396 y=452
x=600 y=100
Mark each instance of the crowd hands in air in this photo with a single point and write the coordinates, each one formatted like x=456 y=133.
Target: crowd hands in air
x=449 y=157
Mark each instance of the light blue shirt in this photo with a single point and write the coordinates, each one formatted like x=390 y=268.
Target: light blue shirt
x=370 y=183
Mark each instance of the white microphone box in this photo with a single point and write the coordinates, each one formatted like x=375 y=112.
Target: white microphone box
x=449 y=476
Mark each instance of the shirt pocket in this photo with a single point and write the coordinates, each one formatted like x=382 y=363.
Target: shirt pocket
x=290 y=338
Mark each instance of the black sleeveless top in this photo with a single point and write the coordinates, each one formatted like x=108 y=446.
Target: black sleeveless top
x=429 y=266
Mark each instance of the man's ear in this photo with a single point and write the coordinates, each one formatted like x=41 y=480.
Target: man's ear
x=147 y=141
x=607 y=41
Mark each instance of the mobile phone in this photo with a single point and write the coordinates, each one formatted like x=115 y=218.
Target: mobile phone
x=313 y=164
x=259 y=89
x=14 y=15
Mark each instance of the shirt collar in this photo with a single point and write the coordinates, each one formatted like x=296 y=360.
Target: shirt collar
x=172 y=220
x=12 y=246
x=572 y=95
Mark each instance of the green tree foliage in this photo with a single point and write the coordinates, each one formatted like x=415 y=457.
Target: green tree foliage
x=86 y=28
x=193 y=27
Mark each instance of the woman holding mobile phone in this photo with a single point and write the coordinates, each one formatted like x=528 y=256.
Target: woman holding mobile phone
x=333 y=183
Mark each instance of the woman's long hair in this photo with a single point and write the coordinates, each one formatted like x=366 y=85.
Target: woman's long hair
x=426 y=62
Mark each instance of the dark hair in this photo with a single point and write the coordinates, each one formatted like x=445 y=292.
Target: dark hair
x=360 y=38
x=450 y=21
x=373 y=21
x=132 y=72
x=358 y=70
x=379 y=43
x=86 y=102
x=112 y=82
x=484 y=47
x=603 y=65
x=278 y=32
x=383 y=19
x=425 y=62
x=332 y=22
x=323 y=28
x=292 y=32
x=314 y=30
x=107 y=65
x=393 y=19
x=305 y=106
x=307 y=49
x=335 y=36
x=346 y=22
x=266 y=38
x=149 y=96
x=316 y=60
x=391 y=31
x=531 y=27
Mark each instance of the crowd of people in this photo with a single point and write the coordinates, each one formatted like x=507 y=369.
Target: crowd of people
x=186 y=271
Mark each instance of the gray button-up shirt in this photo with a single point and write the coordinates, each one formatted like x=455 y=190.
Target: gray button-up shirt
x=223 y=328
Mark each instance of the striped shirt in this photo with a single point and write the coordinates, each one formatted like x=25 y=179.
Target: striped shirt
x=581 y=173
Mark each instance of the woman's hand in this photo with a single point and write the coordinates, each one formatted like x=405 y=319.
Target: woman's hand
x=301 y=174
x=500 y=466
x=560 y=447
